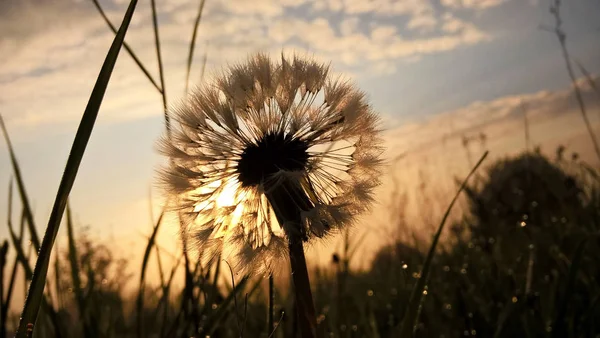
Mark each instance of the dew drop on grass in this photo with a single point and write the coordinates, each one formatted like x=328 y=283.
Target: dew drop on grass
x=404 y=266
x=448 y=306
x=473 y=333
x=214 y=306
x=354 y=328
x=446 y=268
x=370 y=293
x=424 y=292
x=514 y=299
x=523 y=224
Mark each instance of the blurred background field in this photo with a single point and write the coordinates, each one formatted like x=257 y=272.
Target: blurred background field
x=452 y=79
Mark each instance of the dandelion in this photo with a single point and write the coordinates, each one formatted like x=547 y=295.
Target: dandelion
x=268 y=156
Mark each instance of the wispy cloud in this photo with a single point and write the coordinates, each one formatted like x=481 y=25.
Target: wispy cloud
x=496 y=117
x=472 y=4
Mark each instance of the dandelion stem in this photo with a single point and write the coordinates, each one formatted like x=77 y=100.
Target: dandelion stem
x=288 y=201
x=271 y=303
x=304 y=302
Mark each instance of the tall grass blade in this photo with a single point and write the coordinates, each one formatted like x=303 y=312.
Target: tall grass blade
x=412 y=309
x=559 y=327
x=21 y=186
x=562 y=39
x=57 y=277
x=214 y=319
x=193 y=45
x=145 y=260
x=588 y=78
x=75 y=273
x=127 y=48
x=160 y=66
x=36 y=289
x=3 y=252
x=11 y=284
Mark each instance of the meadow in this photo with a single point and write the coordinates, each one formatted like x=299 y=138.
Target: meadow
x=512 y=251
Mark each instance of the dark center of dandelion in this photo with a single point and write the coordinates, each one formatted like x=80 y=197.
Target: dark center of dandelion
x=272 y=153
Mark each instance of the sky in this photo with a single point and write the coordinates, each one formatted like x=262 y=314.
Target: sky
x=433 y=69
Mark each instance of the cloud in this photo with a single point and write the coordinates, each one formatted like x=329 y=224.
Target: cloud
x=472 y=4
x=494 y=116
x=425 y=22
x=52 y=52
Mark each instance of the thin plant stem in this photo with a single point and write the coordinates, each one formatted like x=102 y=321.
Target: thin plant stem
x=407 y=326
x=193 y=45
x=127 y=48
x=160 y=67
x=562 y=39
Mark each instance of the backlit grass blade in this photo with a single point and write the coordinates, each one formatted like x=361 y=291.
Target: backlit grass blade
x=36 y=289
x=21 y=186
x=13 y=276
x=588 y=77
x=222 y=310
x=127 y=48
x=75 y=273
x=560 y=325
x=412 y=309
x=193 y=45
x=140 y=298
x=160 y=65
x=3 y=252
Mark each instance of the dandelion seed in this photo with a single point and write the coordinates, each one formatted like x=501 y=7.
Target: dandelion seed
x=267 y=153
x=268 y=156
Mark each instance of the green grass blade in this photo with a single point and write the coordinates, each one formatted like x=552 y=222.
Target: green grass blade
x=75 y=273
x=21 y=186
x=160 y=66
x=36 y=289
x=127 y=48
x=57 y=276
x=165 y=298
x=588 y=77
x=223 y=309
x=140 y=297
x=560 y=326
x=193 y=45
x=3 y=252
x=13 y=276
x=412 y=309
x=21 y=256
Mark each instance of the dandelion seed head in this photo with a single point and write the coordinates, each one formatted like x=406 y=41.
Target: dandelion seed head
x=270 y=152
